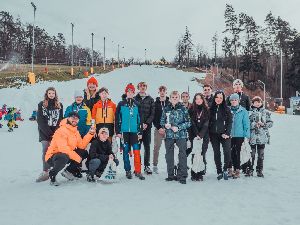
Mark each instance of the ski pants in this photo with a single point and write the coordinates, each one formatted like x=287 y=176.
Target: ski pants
x=236 y=145
x=260 y=153
x=131 y=140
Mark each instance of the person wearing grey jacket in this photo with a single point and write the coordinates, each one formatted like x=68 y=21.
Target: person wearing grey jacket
x=176 y=121
x=260 y=122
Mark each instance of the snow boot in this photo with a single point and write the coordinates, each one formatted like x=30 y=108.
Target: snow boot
x=147 y=170
x=90 y=178
x=260 y=173
x=128 y=174
x=43 y=177
x=230 y=172
x=220 y=176
x=155 y=169
x=66 y=174
x=236 y=174
x=140 y=176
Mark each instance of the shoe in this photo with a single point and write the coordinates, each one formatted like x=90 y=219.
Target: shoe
x=16 y=126
x=225 y=175
x=90 y=178
x=53 y=181
x=147 y=170
x=220 y=176
x=98 y=174
x=182 y=181
x=249 y=172
x=77 y=174
x=155 y=169
x=128 y=174
x=236 y=174
x=10 y=129
x=66 y=174
x=140 y=176
x=230 y=172
x=43 y=177
x=260 y=173
x=170 y=179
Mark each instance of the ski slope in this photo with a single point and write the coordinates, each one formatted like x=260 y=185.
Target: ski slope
x=269 y=201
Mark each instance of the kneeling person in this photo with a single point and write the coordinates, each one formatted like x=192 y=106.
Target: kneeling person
x=99 y=155
x=67 y=147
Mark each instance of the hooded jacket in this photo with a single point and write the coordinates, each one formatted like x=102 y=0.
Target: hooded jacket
x=65 y=140
x=147 y=108
x=159 y=108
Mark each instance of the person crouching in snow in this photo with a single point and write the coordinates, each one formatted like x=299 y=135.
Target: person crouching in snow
x=176 y=120
x=128 y=128
x=260 y=120
x=84 y=112
x=67 y=147
x=99 y=155
x=199 y=113
x=240 y=132
x=11 y=119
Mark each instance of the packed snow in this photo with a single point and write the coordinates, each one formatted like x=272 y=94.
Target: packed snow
x=272 y=200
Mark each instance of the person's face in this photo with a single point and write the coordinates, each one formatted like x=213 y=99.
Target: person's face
x=198 y=100
x=257 y=104
x=219 y=99
x=185 y=98
x=237 y=87
x=92 y=87
x=174 y=99
x=143 y=88
x=162 y=93
x=234 y=102
x=73 y=120
x=79 y=99
x=207 y=91
x=51 y=94
x=103 y=95
x=130 y=94
x=103 y=135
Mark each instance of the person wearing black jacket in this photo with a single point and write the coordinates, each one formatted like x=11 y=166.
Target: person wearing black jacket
x=199 y=113
x=244 y=99
x=49 y=115
x=219 y=132
x=207 y=92
x=146 y=105
x=159 y=133
x=99 y=154
x=91 y=93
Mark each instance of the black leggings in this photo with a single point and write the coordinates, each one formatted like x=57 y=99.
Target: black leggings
x=236 y=145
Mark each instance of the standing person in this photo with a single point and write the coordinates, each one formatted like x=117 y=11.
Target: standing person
x=240 y=132
x=159 y=133
x=147 y=107
x=220 y=125
x=185 y=98
x=84 y=112
x=244 y=99
x=207 y=92
x=199 y=114
x=104 y=112
x=67 y=146
x=99 y=154
x=128 y=128
x=49 y=115
x=176 y=121
x=260 y=120
x=91 y=93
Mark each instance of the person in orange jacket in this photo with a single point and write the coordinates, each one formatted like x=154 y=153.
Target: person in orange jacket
x=67 y=146
x=104 y=113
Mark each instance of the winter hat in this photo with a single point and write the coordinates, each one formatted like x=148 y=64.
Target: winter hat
x=92 y=80
x=130 y=87
x=238 y=81
x=256 y=99
x=74 y=114
x=78 y=93
x=104 y=129
x=234 y=96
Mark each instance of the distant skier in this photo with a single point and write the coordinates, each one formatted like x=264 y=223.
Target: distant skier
x=33 y=115
x=11 y=118
x=260 y=120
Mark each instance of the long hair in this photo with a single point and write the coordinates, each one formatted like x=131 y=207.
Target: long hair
x=222 y=105
x=46 y=99
x=205 y=109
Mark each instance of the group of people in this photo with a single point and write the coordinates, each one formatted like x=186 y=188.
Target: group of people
x=93 y=118
x=11 y=115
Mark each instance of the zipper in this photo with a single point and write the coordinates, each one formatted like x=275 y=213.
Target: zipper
x=217 y=119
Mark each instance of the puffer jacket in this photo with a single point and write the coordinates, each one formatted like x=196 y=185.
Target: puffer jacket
x=178 y=117
x=65 y=140
x=260 y=135
x=147 y=108
x=84 y=112
x=220 y=120
x=240 y=122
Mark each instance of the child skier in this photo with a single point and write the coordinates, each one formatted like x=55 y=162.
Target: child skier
x=11 y=119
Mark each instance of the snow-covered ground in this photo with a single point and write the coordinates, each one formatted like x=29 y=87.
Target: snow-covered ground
x=269 y=201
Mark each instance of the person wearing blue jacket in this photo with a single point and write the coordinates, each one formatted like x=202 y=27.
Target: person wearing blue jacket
x=128 y=129
x=240 y=130
x=83 y=111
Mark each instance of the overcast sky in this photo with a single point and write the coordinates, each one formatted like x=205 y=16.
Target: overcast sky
x=138 y=24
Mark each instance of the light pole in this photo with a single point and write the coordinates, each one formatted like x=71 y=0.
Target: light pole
x=281 y=72
x=118 y=56
x=92 y=67
x=145 y=56
x=264 y=92
x=104 y=55
x=34 y=9
x=72 y=57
